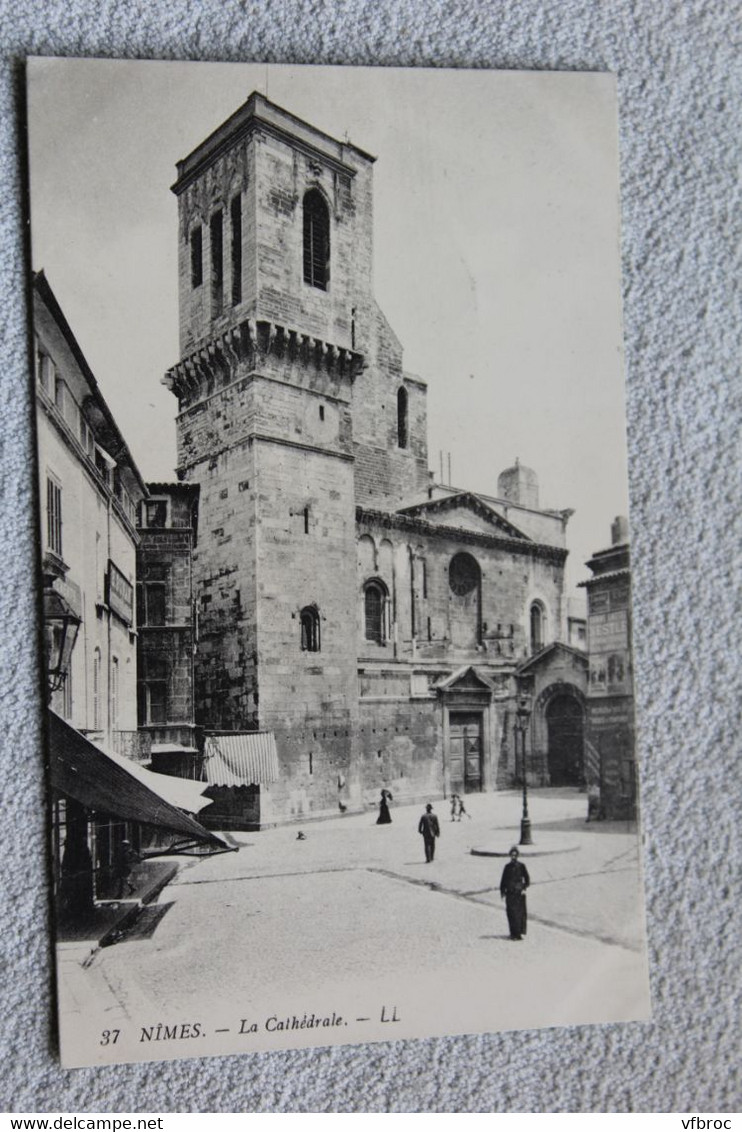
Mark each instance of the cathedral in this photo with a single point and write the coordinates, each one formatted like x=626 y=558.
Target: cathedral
x=366 y=626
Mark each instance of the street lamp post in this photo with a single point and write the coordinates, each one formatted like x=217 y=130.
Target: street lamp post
x=522 y=717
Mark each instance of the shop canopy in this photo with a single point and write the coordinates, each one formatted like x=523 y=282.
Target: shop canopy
x=112 y=784
x=241 y=758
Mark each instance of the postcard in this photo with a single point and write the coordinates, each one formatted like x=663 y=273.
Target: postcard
x=335 y=555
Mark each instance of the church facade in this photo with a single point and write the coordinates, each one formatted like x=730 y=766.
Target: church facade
x=373 y=621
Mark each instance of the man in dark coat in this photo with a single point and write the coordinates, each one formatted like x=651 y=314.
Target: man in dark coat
x=429 y=828
x=515 y=881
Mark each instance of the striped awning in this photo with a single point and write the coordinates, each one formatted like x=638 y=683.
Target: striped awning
x=111 y=784
x=241 y=758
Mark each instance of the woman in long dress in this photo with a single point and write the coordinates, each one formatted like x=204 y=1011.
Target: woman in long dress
x=384 y=816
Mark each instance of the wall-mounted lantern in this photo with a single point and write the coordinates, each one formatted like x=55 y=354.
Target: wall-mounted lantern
x=61 y=624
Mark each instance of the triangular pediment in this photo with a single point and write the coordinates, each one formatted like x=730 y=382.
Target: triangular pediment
x=464 y=511
x=548 y=654
x=465 y=679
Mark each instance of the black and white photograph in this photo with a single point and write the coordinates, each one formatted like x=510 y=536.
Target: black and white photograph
x=335 y=555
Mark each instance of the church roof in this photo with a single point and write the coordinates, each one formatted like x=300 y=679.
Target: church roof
x=162 y=487
x=424 y=525
x=609 y=576
x=468 y=501
x=258 y=112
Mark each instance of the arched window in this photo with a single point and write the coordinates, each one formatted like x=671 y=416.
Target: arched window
x=316 y=240
x=374 y=610
x=402 y=417
x=465 y=601
x=538 y=626
x=310 y=640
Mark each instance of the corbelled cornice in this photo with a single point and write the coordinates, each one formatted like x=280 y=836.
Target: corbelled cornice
x=398 y=520
x=214 y=365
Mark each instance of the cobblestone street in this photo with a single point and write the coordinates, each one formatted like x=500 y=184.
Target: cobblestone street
x=350 y=921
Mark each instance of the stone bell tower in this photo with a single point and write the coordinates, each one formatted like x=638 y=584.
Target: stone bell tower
x=276 y=317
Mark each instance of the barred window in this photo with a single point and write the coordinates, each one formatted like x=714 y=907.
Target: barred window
x=402 y=417
x=235 y=216
x=217 y=263
x=316 y=240
x=197 y=257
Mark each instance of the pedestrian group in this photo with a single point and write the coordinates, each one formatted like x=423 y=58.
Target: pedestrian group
x=514 y=881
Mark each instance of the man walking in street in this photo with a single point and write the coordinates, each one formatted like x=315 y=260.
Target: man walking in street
x=429 y=828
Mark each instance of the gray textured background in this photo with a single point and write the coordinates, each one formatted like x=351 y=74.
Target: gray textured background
x=679 y=93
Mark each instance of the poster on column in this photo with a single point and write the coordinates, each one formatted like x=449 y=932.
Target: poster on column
x=335 y=558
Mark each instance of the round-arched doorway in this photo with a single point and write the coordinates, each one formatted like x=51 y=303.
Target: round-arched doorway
x=565 y=726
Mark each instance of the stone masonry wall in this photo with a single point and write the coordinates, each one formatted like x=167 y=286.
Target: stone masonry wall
x=224 y=582
x=285 y=438
x=305 y=558
x=400 y=747
x=509 y=583
x=400 y=733
x=271 y=177
x=284 y=175
x=230 y=175
x=301 y=401
x=388 y=476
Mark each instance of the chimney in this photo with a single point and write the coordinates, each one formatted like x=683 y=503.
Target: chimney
x=619 y=530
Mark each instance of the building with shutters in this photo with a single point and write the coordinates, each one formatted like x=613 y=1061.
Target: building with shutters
x=372 y=621
x=166 y=625
x=90 y=489
x=610 y=758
